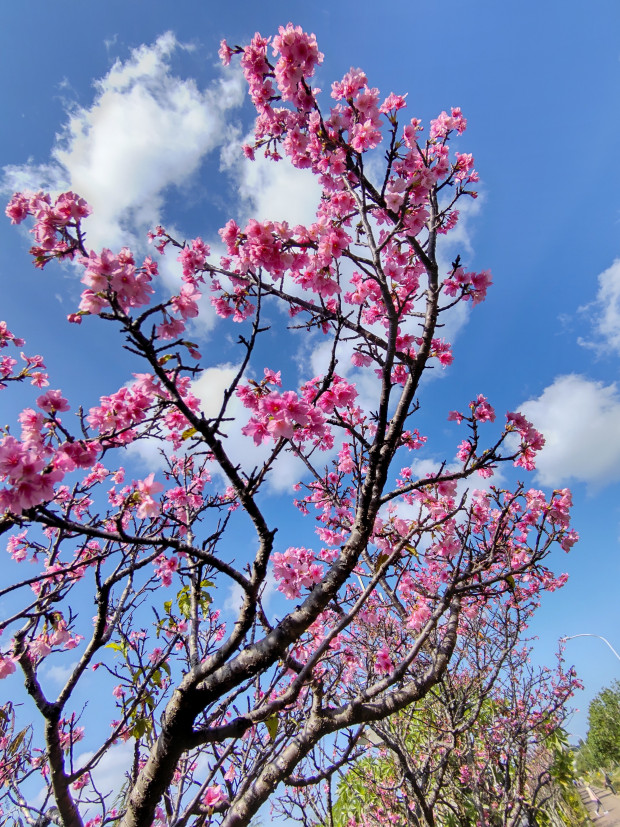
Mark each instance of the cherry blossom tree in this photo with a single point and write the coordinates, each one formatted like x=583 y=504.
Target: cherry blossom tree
x=484 y=746
x=214 y=715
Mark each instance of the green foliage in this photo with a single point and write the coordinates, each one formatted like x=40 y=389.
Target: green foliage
x=584 y=761
x=363 y=794
x=562 y=769
x=567 y=806
x=603 y=740
x=356 y=790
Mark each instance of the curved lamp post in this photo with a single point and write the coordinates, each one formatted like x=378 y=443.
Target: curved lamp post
x=587 y=634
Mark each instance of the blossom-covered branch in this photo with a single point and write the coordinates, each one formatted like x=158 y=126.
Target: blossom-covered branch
x=375 y=607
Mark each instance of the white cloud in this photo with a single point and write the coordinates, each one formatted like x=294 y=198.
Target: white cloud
x=60 y=674
x=110 y=774
x=273 y=191
x=234 y=601
x=606 y=306
x=111 y=770
x=148 y=453
x=145 y=131
x=580 y=419
x=210 y=387
x=457 y=242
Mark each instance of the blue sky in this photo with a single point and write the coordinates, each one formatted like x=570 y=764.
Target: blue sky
x=126 y=103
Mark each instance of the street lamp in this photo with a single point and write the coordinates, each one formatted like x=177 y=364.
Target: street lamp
x=587 y=634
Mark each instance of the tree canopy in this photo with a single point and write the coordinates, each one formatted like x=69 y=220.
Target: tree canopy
x=408 y=567
x=602 y=744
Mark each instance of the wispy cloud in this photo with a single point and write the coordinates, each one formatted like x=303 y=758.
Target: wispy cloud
x=145 y=131
x=605 y=312
x=271 y=191
x=580 y=419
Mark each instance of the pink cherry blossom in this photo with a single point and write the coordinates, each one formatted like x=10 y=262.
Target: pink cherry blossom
x=7 y=666
x=384 y=663
x=214 y=796
x=52 y=401
x=17 y=208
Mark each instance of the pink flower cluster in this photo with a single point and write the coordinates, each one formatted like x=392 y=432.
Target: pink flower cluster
x=193 y=258
x=8 y=665
x=214 y=796
x=120 y=412
x=31 y=469
x=259 y=244
x=298 y=55
x=384 y=663
x=295 y=569
x=362 y=116
x=52 y=222
x=472 y=286
x=115 y=278
x=420 y=615
x=8 y=363
x=532 y=440
x=284 y=415
x=6 y=336
x=482 y=410
x=113 y=281
x=339 y=393
x=165 y=567
x=148 y=506
x=69 y=733
x=59 y=637
x=444 y=124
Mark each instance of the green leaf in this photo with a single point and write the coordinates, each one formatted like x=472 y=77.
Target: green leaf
x=183 y=601
x=412 y=550
x=272 y=726
x=205 y=600
x=17 y=741
x=141 y=727
x=381 y=560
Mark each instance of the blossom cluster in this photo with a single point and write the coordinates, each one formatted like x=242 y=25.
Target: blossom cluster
x=290 y=416
x=33 y=465
x=52 y=222
x=31 y=370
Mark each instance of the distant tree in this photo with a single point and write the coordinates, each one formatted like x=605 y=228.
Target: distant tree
x=602 y=746
x=485 y=746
